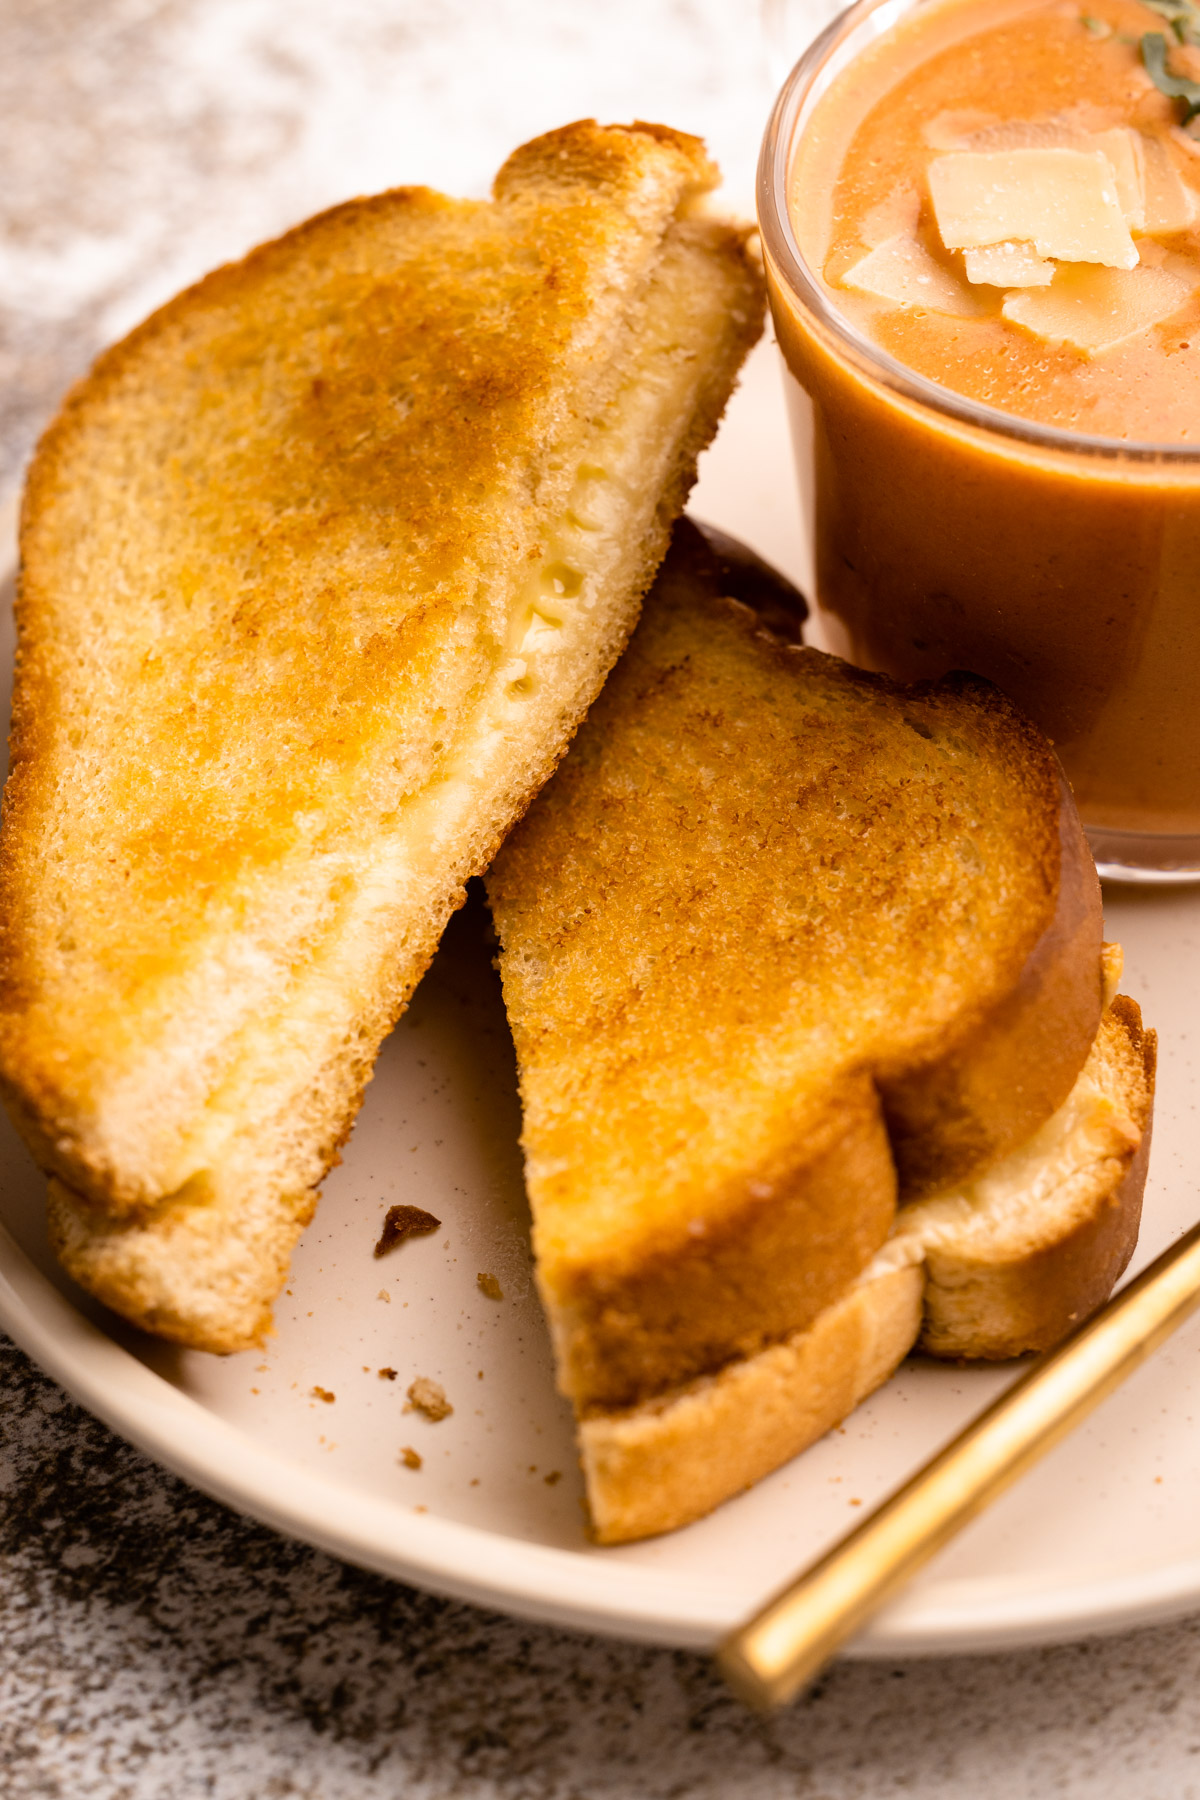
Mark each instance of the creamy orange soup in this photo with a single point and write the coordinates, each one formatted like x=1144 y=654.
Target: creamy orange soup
x=1070 y=577
x=1071 y=71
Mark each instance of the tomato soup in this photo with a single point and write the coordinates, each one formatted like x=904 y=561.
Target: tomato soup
x=985 y=272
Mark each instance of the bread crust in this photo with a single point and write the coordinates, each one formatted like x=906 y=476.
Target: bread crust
x=619 y=161
x=663 y=1464
x=986 y=1087
x=200 y=1271
x=786 y=1239
x=1013 y=1295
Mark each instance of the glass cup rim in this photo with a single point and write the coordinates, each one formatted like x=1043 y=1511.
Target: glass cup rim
x=783 y=249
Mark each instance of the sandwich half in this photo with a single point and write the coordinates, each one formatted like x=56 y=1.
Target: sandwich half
x=817 y=1055
x=321 y=568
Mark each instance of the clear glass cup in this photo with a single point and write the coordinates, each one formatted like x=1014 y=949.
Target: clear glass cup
x=950 y=535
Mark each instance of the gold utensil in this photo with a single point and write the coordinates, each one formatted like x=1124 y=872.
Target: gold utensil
x=784 y=1646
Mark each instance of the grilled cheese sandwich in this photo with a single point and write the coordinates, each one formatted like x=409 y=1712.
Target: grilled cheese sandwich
x=320 y=569
x=805 y=976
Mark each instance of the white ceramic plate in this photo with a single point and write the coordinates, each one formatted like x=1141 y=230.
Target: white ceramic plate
x=1105 y=1533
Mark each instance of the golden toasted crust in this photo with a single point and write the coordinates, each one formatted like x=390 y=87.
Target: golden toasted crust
x=661 y=1465
x=283 y=552
x=763 y=882
x=761 y=1258
x=626 y=163
x=200 y=1270
x=969 y=1100
x=1020 y=1279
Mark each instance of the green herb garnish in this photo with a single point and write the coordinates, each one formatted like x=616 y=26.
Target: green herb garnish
x=1097 y=28
x=1183 y=16
x=1175 y=87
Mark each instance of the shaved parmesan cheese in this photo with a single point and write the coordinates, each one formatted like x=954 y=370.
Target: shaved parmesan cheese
x=1062 y=201
x=894 y=217
x=1008 y=266
x=1097 y=309
x=902 y=271
x=1121 y=145
x=1170 y=205
x=1125 y=150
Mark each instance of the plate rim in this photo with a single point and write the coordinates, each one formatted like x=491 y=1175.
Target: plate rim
x=539 y=1582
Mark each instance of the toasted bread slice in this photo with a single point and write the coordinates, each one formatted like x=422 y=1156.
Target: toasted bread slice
x=320 y=569
x=783 y=943
x=1003 y=1265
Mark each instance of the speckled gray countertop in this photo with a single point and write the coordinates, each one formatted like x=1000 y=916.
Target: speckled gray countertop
x=152 y=1643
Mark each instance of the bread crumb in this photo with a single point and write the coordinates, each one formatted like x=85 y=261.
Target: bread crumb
x=490 y=1286
x=384 y=1295
x=427 y=1397
x=553 y=1477
x=410 y=1458
x=320 y=1393
x=403 y=1222
x=854 y=1503
x=474 y=1482
x=387 y=1374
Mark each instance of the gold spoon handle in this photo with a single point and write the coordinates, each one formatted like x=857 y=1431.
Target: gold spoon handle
x=785 y=1645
